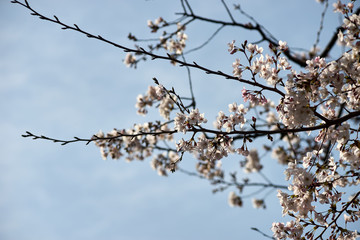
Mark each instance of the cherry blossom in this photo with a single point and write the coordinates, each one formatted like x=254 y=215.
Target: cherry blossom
x=306 y=113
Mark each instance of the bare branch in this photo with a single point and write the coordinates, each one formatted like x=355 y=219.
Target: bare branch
x=228 y=11
x=152 y=55
x=193 y=102
x=321 y=25
x=206 y=42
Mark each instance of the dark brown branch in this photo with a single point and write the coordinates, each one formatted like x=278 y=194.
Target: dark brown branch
x=228 y=11
x=188 y=5
x=148 y=53
x=94 y=138
x=193 y=102
x=183 y=5
x=257 y=28
x=256 y=133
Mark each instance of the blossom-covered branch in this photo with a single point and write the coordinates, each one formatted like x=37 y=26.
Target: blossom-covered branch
x=306 y=119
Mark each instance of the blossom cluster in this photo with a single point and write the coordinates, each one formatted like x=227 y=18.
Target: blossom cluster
x=176 y=45
x=268 y=67
x=253 y=162
x=234 y=200
x=164 y=163
x=325 y=86
x=155 y=25
x=254 y=98
x=156 y=94
x=172 y=45
x=292 y=230
x=316 y=98
x=237 y=118
x=130 y=60
x=136 y=143
x=182 y=121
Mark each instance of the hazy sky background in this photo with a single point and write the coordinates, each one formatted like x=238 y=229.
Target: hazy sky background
x=62 y=84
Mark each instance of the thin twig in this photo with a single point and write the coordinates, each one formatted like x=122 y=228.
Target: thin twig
x=265 y=235
x=188 y=5
x=255 y=21
x=206 y=42
x=193 y=102
x=321 y=24
x=228 y=11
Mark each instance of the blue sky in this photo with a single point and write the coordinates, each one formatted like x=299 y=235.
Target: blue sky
x=61 y=84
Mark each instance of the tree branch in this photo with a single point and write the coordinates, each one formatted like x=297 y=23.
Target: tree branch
x=143 y=51
x=256 y=133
